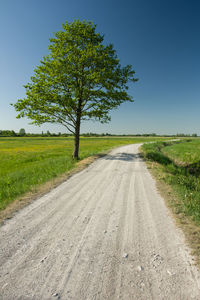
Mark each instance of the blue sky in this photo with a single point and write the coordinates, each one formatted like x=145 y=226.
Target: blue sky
x=160 y=38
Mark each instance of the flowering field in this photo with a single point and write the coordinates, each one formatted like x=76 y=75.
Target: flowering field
x=28 y=162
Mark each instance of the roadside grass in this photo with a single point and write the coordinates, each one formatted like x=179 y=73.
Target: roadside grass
x=26 y=163
x=184 y=153
x=176 y=165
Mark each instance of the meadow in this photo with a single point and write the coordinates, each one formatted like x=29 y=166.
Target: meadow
x=26 y=163
x=178 y=165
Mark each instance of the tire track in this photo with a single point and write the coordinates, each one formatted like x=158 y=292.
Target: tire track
x=103 y=234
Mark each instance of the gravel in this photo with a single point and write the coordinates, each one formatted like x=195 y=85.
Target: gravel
x=103 y=234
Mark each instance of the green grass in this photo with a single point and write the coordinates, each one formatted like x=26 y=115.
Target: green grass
x=179 y=165
x=26 y=163
x=184 y=153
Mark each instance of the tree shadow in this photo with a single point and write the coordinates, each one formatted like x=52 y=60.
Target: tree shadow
x=128 y=157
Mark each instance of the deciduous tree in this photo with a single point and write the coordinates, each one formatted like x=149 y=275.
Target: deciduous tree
x=81 y=79
x=22 y=132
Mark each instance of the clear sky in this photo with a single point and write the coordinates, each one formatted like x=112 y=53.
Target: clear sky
x=160 y=38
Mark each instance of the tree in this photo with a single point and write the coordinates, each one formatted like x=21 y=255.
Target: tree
x=13 y=133
x=80 y=79
x=22 y=132
x=7 y=133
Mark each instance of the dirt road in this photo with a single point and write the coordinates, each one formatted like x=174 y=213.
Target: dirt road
x=103 y=234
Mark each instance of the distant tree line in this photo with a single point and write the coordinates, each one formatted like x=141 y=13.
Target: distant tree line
x=22 y=133
x=187 y=135
x=7 y=133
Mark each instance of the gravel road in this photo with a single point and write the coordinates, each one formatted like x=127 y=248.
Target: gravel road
x=103 y=234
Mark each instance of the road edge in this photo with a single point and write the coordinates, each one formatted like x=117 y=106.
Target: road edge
x=40 y=190
x=190 y=230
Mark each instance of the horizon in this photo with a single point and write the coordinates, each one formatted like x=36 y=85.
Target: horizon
x=92 y=134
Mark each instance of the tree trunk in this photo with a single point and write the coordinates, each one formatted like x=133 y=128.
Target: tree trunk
x=77 y=137
x=76 y=145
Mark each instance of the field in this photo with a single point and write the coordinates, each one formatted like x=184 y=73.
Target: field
x=179 y=166
x=26 y=163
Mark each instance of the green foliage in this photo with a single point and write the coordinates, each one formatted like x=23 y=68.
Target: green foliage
x=4 y=133
x=22 y=132
x=80 y=79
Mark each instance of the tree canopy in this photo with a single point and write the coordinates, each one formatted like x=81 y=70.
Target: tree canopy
x=22 y=132
x=81 y=79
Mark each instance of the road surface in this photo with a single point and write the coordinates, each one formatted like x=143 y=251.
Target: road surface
x=103 y=234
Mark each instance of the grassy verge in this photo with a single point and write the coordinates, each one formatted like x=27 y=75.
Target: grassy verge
x=26 y=163
x=185 y=153
x=177 y=171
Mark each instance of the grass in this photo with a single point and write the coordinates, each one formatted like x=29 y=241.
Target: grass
x=184 y=153
x=180 y=170
x=26 y=163
x=176 y=164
